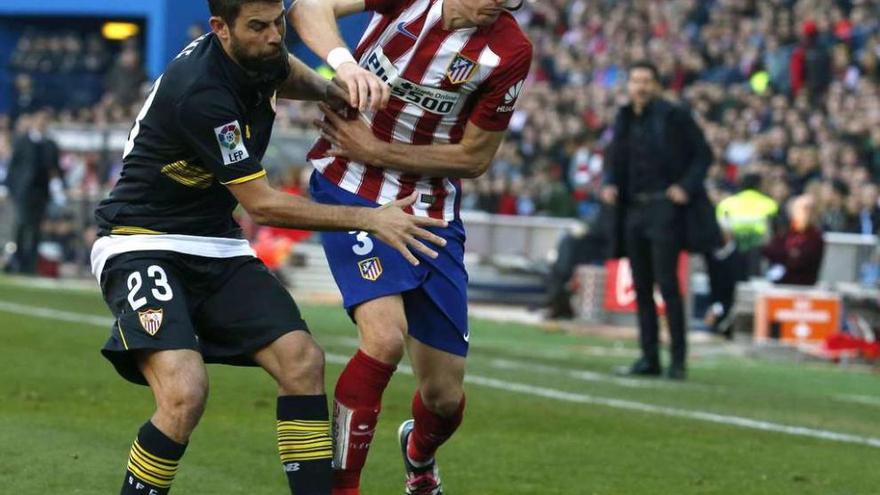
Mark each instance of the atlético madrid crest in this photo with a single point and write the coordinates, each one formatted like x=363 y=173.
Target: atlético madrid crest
x=461 y=70
x=371 y=269
x=151 y=320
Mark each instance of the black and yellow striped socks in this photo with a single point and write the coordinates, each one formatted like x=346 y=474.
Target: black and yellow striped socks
x=304 y=443
x=152 y=463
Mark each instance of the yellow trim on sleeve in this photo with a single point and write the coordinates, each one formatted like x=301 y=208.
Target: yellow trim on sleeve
x=188 y=174
x=128 y=230
x=246 y=178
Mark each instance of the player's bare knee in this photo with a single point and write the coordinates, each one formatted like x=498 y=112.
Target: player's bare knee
x=386 y=346
x=441 y=400
x=382 y=327
x=303 y=373
x=180 y=385
x=183 y=402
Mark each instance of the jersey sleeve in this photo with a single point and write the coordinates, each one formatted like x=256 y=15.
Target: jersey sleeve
x=497 y=98
x=216 y=133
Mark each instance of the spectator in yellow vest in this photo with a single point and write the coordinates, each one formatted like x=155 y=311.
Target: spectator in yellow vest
x=746 y=217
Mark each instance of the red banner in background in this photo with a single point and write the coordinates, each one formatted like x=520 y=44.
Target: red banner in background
x=620 y=292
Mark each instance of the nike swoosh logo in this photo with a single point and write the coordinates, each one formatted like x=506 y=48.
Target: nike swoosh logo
x=401 y=28
x=467 y=337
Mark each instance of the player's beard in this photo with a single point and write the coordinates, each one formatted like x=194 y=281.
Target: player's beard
x=271 y=67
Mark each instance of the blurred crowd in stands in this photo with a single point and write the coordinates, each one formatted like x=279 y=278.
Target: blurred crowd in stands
x=65 y=79
x=788 y=90
x=84 y=79
x=785 y=90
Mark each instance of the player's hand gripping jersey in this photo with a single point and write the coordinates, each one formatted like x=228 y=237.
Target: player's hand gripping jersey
x=440 y=80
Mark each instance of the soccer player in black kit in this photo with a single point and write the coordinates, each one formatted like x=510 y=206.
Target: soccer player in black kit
x=184 y=286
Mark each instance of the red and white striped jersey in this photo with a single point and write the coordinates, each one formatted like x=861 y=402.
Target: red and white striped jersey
x=440 y=80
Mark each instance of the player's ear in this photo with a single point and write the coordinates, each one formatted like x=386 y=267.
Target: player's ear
x=219 y=27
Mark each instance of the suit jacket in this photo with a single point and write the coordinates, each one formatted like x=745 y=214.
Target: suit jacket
x=31 y=166
x=680 y=150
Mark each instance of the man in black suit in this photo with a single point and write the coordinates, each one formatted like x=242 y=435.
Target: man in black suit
x=33 y=164
x=658 y=159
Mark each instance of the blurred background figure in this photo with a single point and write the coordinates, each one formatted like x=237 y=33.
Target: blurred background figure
x=125 y=78
x=722 y=265
x=194 y=32
x=865 y=214
x=746 y=217
x=656 y=169
x=33 y=164
x=586 y=246
x=796 y=254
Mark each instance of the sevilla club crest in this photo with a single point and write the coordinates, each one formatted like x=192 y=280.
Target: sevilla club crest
x=151 y=320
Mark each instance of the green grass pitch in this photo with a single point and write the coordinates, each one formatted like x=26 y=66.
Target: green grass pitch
x=544 y=416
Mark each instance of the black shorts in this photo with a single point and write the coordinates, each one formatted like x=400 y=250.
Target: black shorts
x=224 y=308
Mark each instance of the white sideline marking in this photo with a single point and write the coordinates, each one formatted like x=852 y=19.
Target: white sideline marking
x=56 y=314
x=860 y=399
x=630 y=405
x=533 y=390
x=61 y=285
x=593 y=350
x=585 y=375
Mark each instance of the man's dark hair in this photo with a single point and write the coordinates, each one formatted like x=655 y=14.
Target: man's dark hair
x=228 y=10
x=649 y=66
x=750 y=181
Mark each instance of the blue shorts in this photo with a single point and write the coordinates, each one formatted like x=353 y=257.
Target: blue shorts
x=434 y=293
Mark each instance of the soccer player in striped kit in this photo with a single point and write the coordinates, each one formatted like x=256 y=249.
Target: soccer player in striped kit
x=433 y=84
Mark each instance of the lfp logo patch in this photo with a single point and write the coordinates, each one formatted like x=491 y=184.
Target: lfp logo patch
x=371 y=269
x=229 y=136
x=461 y=70
x=231 y=143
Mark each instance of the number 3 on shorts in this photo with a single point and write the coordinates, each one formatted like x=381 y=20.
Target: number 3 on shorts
x=160 y=280
x=364 y=244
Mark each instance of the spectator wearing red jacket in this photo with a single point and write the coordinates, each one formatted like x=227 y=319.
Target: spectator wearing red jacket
x=796 y=254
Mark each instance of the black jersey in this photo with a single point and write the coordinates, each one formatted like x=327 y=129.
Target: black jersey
x=205 y=124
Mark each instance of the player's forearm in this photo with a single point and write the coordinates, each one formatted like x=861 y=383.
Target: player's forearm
x=435 y=160
x=315 y=22
x=303 y=83
x=295 y=212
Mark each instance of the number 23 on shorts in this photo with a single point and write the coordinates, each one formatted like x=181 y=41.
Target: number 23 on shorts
x=161 y=290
